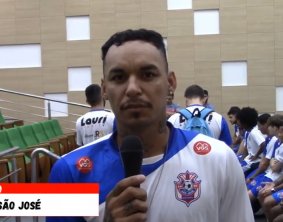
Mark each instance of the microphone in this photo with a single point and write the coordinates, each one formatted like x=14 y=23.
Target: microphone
x=132 y=155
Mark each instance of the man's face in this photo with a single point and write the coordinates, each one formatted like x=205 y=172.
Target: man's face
x=280 y=134
x=136 y=83
x=232 y=119
x=205 y=99
x=262 y=128
x=273 y=130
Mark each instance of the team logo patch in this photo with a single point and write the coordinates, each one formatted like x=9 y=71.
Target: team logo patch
x=84 y=164
x=280 y=195
x=258 y=188
x=253 y=183
x=202 y=148
x=187 y=189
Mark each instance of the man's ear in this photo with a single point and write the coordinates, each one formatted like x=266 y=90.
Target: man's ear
x=172 y=80
x=103 y=88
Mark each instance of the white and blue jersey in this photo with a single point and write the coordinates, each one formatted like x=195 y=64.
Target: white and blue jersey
x=217 y=124
x=199 y=178
x=94 y=125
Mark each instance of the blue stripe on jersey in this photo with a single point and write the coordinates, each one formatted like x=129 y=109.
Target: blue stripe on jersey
x=267 y=140
x=225 y=135
x=276 y=146
x=107 y=164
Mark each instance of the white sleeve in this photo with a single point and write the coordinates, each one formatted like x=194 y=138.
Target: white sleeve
x=270 y=149
x=175 y=120
x=110 y=121
x=235 y=204
x=79 y=136
x=258 y=137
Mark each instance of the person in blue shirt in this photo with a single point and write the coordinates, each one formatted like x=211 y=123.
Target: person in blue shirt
x=205 y=100
x=186 y=172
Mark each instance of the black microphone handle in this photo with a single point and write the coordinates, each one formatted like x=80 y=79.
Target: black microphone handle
x=132 y=162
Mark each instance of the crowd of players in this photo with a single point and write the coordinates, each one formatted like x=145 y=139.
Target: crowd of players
x=257 y=141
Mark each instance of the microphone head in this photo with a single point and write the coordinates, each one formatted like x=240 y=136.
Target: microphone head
x=131 y=144
x=132 y=155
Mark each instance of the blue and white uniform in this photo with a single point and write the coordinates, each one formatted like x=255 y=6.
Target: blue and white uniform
x=254 y=139
x=198 y=179
x=94 y=125
x=217 y=124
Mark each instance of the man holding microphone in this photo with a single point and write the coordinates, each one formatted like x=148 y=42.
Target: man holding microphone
x=184 y=177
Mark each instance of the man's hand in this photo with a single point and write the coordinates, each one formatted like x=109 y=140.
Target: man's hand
x=252 y=158
x=266 y=191
x=281 y=204
x=126 y=202
x=249 y=180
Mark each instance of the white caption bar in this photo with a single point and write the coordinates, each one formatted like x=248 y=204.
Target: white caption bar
x=57 y=205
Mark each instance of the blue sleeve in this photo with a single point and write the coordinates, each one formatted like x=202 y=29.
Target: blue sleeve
x=114 y=125
x=225 y=135
x=61 y=173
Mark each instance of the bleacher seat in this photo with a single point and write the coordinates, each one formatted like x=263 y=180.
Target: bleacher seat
x=47 y=134
x=10 y=124
x=4 y=171
x=42 y=137
x=20 y=158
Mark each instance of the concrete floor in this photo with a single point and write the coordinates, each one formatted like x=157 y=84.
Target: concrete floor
x=42 y=219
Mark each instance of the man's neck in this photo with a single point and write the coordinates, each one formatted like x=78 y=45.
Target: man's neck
x=154 y=138
x=97 y=107
x=192 y=102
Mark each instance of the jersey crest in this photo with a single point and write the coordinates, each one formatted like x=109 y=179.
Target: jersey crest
x=280 y=195
x=187 y=189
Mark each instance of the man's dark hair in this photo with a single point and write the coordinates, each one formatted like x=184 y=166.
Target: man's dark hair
x=248 y=116
x=145 y=35
x=194 y=91
x=205 y=92
x=275 y=120
x=262 y=119
x=234 y=110
x=93 y=94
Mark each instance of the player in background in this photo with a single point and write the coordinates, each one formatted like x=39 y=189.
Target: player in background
x=255 y=140
x=171 y=107
x=264 y=122
x=185 y=176
x=194 y=96
x=205 y=100
x=272 y=192
x=268 y=125
x=239 y=133
x=96 y=123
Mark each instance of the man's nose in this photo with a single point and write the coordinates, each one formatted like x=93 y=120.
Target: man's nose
x=133 y=87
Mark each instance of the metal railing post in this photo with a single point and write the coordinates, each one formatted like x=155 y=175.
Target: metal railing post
x=49 y=110
x=33 y=165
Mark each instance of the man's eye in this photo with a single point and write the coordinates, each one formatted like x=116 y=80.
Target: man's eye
x=149 y=75
x=117 y=77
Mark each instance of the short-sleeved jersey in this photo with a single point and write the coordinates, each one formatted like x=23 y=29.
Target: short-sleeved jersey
x=239 y=132
x=198 y=177
x=217 y=124
x=270 y=144
x=254 y=139
x=278 y=155
x=94 y=125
